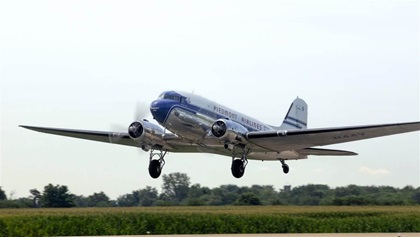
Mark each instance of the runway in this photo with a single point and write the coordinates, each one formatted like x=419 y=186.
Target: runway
x=291 y=235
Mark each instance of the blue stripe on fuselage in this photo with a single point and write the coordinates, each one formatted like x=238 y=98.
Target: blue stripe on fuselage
x=162 y=108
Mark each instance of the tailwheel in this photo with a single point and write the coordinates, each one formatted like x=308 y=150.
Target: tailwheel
x=155 y=169
x=285 y=169
x=238 y=168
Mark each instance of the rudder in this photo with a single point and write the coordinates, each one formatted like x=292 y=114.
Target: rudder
x=297 y=116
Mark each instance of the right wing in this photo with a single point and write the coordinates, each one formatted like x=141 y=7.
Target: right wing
x=99 y=136
x=282 y=140
x=169 y=141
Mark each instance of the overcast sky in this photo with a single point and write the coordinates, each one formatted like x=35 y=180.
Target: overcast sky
x=85 y=65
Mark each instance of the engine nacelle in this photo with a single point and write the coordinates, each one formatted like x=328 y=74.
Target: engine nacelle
x=145 y=132
x=229 y=131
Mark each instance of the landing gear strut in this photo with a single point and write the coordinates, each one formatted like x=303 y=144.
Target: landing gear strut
x=239 y=164
x=284 y=166
x=156 y=165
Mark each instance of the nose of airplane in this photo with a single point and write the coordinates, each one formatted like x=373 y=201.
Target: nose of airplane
x=160 y=109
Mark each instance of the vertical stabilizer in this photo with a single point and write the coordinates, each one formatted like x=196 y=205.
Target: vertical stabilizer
x=297 y=116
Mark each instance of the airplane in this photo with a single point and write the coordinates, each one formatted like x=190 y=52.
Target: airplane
x=189 y=123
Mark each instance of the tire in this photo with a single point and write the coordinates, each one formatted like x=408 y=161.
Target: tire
x=154 y=169
x=285 y=169
x=238 y=168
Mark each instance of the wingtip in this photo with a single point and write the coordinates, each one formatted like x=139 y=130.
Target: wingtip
x=352 y=153
x=26 y=126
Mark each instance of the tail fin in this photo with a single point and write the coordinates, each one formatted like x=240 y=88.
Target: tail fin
x=297 y=116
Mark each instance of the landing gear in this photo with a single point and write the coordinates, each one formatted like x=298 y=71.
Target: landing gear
x=284 y=166
x=156 y=165
x=155 y=168
x=239 y=164
x=238 y=168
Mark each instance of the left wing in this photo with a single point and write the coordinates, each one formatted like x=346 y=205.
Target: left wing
x=298 y=139
x=325 y=152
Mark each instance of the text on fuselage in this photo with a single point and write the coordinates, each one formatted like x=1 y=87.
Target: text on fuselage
x=251 y=123
x=225 y=112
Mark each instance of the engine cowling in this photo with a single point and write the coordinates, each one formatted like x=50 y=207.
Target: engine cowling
x=145 y=132
x=229 y=131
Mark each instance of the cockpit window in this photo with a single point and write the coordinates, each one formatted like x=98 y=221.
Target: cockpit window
x=161 y=96
x=171 y=97
x=185 y=100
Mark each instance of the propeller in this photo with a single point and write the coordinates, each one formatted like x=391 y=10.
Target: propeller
x=117 y=133
x=141 y=111
x=218 y=129
x=135 y=129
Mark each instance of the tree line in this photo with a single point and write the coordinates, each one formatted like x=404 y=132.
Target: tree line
x=177 y=190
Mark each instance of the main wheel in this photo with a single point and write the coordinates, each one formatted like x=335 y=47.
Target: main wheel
x=154 y=168
x=285 y=169
x=237 y=168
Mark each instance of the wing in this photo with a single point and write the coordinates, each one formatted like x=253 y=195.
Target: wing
x=169 y=141
x=325 y=152
x=99 y=136
x=298 y=139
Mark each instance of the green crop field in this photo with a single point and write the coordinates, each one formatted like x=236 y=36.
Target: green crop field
x=207 y=220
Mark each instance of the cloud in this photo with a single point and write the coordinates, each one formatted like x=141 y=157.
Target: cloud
x=369 y=171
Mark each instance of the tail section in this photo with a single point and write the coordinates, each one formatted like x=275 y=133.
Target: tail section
x=296 y=117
